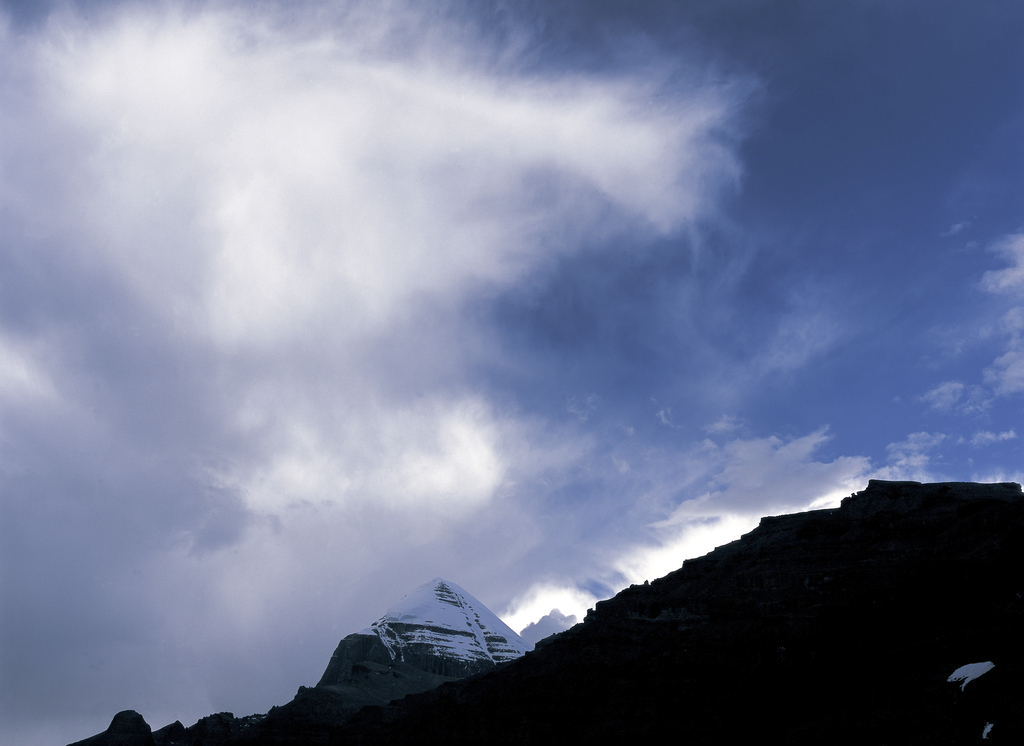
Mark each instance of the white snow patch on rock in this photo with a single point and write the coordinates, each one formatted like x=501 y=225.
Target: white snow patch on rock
x=970 y=672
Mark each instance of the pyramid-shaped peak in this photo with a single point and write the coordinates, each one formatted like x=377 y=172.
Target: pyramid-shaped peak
x=443 y=621
x=436 y=601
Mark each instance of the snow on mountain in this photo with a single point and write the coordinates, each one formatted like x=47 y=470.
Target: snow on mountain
x=443 y=619
x=967 y=674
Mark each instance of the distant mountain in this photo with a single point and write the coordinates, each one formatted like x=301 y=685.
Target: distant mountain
x=895 y=618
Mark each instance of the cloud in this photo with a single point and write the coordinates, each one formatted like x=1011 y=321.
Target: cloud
x=582 y=406
x=751 y=475
x=724 y=424
x=985 y=438
x=801 y=335
x=302 y=205
x=955 y=229
x=747 y=478
x=239 y=356
x=528 y=611
x=944 y=396
x=910 y=459
x=665 y=417
x=954 y=396
x=1006 y=374
x=21 y=376
x=320 y=175
x=1004 y=280
x=693 y=502
x=547 y=625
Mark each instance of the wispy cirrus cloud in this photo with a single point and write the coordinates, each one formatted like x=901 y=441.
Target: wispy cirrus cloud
x=1006 y=374
x=944 y=396
x=911 y=459
x=984 y=437
x=1010 y=278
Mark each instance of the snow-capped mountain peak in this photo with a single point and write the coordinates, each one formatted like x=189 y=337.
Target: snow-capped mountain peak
x=441 y=619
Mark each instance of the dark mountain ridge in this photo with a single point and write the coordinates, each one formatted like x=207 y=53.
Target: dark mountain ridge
x=831 y=626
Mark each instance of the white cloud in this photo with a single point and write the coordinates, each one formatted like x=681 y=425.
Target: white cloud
x=716 y=494
x=253 y=182
x=541 y=598
x=747 y=479
x=278 y=227
x=910 y=459
x=440 y=456
x=682 y=540
x=547 y=625
x=1010 y=278
x=582 y=406
x=270 y=190
x=944 y=396
x=985 y=438
x=21 y=375
x=957 y=228
x=800 y=337
x=724 y=424
x=954 y=396
x=758 y=474
x=1006 y=374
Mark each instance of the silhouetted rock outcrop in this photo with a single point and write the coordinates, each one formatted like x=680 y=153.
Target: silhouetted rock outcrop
x=128 y=728
x=172 y=735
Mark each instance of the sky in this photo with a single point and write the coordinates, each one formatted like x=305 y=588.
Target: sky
x=304 y=304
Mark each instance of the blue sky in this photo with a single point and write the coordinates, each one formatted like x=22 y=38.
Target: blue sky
x=303 y=305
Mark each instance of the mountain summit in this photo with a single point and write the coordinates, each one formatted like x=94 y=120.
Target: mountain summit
x=438 y=628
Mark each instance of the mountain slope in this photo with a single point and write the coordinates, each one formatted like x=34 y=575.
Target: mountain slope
x=834 y=626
